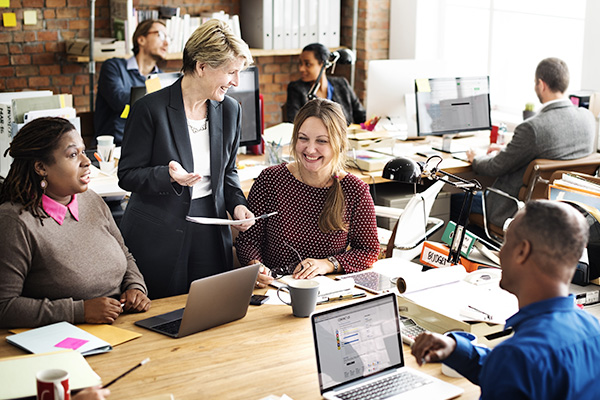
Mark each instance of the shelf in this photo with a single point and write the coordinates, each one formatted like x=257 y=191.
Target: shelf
x=179 y=56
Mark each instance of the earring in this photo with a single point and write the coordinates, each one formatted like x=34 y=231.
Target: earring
x=43 y=183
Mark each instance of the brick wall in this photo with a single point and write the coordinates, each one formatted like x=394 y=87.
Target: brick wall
x=33 y=57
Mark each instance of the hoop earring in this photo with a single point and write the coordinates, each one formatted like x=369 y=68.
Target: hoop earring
x=43 y=184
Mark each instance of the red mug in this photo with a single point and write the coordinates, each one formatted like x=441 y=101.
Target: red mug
x=53 y=384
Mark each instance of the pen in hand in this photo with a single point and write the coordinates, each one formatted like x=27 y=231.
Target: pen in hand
x=127 y=372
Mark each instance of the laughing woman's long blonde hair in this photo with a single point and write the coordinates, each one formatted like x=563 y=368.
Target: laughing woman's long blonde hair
x=332 y=116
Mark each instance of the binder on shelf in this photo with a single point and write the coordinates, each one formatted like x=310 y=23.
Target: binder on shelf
x=278 y=24
x=288 y=17
x=21 y=106
x=256 y=18
x=333 y=37
x=295 y=24
x=309 y=13
x=323 y=22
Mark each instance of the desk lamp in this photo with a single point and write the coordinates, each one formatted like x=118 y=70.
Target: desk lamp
x=403 y=169
x=341 y=56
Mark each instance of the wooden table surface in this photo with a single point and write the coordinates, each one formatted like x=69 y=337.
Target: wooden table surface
x=267 y=352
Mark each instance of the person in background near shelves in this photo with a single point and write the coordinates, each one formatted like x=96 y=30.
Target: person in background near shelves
x=119 y=75
x=555 y=348
x=62 y=257
x=189 y=126
x=332 y=88
x=325 y=221
x=559 y=131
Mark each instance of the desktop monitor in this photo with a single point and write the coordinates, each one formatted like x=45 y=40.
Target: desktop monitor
x=391 y=91
x=248 y=95
x=452 y=105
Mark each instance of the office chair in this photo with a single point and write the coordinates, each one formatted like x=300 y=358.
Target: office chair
x=413 y=226
x=535 y=186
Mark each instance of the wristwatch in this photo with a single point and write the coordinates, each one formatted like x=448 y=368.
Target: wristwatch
x=336 y=264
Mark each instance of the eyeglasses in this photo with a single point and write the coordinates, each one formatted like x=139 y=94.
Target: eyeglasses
x=161 y=35
x=279 y=272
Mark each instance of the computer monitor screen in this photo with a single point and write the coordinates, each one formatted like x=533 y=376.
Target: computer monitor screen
x=452 y=105
x=166 y=79
x=247 y=94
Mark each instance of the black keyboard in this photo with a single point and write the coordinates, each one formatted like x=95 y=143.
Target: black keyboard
x=171 y=327
x=386 y=387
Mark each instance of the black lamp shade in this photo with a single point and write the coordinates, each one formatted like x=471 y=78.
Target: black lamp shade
x=403 y=169
x=346 y=56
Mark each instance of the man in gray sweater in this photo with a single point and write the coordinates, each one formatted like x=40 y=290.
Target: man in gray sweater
x=560 y=131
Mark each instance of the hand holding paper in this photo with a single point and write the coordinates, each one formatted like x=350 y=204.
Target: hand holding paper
x=224 y=221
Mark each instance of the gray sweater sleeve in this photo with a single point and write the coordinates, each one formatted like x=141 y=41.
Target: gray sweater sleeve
x=17 y=311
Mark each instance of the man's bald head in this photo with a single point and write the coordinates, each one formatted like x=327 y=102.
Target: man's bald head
x=558 y=233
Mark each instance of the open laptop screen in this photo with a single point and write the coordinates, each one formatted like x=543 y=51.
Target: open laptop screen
x=357 y=340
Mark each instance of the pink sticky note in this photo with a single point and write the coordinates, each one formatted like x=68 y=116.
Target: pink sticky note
x=71 y=343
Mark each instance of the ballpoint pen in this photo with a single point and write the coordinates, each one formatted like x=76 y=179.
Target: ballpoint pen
x=127 y=372
x=266 y=215
x=97 y=156
x=487 y=316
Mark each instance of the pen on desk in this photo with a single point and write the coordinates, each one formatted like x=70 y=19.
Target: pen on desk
x=266 y=215
x=98 y=157
x=488 y=316
x=127 y=372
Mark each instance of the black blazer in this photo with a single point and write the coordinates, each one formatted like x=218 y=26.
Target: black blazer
x=156 y=132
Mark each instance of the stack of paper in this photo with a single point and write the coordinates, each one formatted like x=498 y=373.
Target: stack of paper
x=20 y=372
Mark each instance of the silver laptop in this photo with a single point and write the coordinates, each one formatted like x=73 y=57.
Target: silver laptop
x=211 y=302
x=359 y=350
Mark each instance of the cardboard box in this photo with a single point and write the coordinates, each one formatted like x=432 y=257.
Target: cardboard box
x=103 y=47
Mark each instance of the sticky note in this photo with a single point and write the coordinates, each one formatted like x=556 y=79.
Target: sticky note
x=153 y=84
x=125 y=112
x=9 y=19
x=423 y=85
x=30 y=17
x=5 y=3
x=71 y=343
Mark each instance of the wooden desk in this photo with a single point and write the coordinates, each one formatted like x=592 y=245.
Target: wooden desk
x=267 y=352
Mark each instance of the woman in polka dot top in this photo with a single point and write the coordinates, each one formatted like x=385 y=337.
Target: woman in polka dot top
x=325 y=221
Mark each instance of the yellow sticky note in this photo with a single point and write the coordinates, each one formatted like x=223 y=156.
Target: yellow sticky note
x=5 y=3
x=30 y=17
x=423 y=85
x=125 y=112
x=153 y=84
x=9 y=19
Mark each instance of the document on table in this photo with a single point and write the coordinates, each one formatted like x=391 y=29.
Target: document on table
x=225 y=221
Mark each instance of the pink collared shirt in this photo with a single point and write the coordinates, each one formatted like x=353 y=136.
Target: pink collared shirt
x=57 y=211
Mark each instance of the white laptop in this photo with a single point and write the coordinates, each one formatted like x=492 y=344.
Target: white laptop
x=211 y=302
x=359 y=347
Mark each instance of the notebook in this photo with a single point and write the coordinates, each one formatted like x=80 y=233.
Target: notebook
x=211 y=302
x=59 y=336
x=359 y=345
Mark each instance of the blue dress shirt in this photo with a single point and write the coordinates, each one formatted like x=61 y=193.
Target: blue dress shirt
x=117 y=77
x=554 y=354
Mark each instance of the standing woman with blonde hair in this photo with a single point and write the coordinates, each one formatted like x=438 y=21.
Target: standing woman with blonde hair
x=178 y=159
x=326 y=217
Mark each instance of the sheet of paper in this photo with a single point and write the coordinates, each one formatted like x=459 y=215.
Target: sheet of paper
x=223 y=221
x=20 y=372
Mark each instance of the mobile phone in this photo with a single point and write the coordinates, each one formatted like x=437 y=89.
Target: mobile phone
x=258 y=299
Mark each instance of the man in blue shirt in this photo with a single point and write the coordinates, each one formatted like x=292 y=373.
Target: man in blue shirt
x=555 y=350
x=119 y=75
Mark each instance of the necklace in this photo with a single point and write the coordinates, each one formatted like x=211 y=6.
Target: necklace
x=198 y=125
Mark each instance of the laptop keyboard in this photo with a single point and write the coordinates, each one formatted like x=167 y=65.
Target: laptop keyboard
x=171 y=327
x=387 y=387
